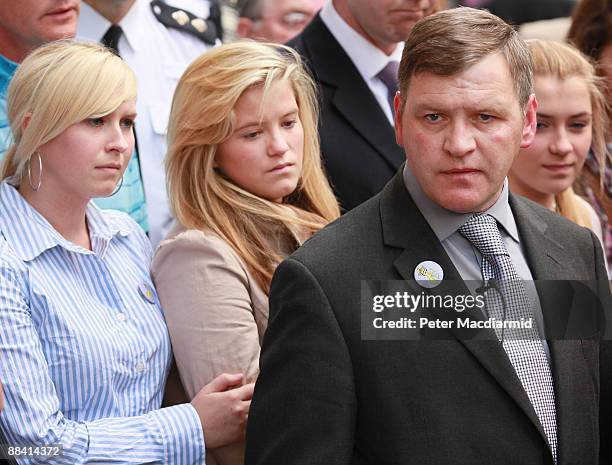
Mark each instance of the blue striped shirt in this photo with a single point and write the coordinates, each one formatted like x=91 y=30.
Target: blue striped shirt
x=84 y=349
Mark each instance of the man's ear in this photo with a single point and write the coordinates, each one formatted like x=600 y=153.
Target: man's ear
x=397 y=116
x=530 y=122
x=244 y=27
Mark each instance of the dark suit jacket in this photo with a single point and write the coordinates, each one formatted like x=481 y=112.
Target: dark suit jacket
x=326 y=397
x=357 y=141
x=524 y=11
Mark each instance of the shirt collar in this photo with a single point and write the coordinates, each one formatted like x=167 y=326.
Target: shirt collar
x=105 y=225
x=445 y=222
x=7 y=69
x=367 y=58
x=92 y=25
x=29 y=234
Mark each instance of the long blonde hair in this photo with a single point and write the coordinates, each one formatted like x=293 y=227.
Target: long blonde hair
x=570 y=206
x=202 y=117
x=564 y=61
x=57 y=85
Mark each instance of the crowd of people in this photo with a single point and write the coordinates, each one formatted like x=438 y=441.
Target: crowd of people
x=189 y=230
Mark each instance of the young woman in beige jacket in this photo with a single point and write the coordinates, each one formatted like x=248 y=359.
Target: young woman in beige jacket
x=247 y=187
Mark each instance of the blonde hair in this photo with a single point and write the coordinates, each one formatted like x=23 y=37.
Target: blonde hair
x=57 y=85
x=569 y=206
x=202 y=117
x=563 y=61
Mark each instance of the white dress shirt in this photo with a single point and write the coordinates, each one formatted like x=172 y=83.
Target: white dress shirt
x=367 y=58
x=158 y=56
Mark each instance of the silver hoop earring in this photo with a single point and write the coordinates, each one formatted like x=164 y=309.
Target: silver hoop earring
x=117 y=189
x=37 y=186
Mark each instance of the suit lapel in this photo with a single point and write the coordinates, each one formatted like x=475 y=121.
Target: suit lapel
x=545 y=258
x=570 y=372
x=544 y=255
x=405 y=227
x=351 y=96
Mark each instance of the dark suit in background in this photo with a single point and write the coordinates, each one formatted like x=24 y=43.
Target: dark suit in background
x=357 y=141
x=524 y=11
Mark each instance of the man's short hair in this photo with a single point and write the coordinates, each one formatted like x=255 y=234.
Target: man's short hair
x=451 y=41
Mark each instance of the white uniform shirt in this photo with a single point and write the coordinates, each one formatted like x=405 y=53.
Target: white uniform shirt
x=158 y=56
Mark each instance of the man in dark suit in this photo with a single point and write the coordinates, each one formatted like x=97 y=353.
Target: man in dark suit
x=328 y=393
x=353 y=48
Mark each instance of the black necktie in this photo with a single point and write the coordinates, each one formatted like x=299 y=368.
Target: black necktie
x=111 y=38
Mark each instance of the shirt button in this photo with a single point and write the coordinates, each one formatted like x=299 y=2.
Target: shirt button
x=121 y=316
x=140 y=367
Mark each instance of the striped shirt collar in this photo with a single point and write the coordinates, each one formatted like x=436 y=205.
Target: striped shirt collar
x=29 y=234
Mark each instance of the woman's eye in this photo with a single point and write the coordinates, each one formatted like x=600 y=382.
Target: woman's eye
x=95 y=122
x=252 y=134
x=578 y=125
x=127 y=123
x=289 y=124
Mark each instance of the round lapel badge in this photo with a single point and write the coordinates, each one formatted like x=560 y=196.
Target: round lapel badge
x=147 y=292
x=428 y=274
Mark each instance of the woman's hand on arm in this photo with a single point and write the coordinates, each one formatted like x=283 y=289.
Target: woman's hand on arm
x=223 y=407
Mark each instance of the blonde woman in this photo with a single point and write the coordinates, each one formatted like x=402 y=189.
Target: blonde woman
x=84 y=350
x=247 y=188
x=571 y=121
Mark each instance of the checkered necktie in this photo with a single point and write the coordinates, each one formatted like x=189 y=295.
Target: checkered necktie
x=509 y=301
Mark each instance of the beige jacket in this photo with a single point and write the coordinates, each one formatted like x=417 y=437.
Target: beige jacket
x=215 y=311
